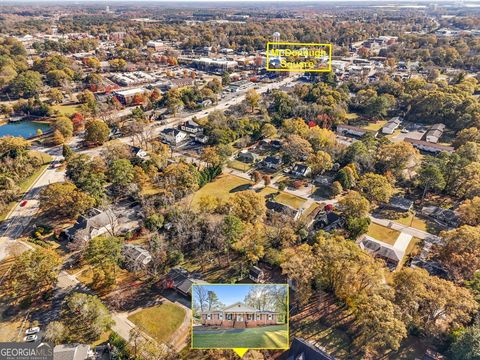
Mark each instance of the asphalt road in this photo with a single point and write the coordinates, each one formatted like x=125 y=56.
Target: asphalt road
x=20 y=217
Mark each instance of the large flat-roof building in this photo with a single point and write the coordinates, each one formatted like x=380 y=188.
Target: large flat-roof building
x=214 y=65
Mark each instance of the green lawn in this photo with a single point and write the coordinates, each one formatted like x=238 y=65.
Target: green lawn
x=226 y=185
x=382 y=233
x=375 y=126
x=268 y=337
x=221 y=187
x=413 y=221
x=238 y=165
x=66 y=109
x=160 y=321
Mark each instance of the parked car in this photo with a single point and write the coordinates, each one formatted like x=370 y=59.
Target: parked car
x=30 y=338
x=32 y=330
x=23 y=203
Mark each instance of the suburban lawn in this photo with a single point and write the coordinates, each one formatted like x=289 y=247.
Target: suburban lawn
x=226 y=185
x=413 y=221
x=221 y=188
x=382 y=233
x=268 y=337
x=238 y=165
x=375 y=126
x=159 y=321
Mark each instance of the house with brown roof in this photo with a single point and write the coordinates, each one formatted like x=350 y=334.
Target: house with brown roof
x=429 y=146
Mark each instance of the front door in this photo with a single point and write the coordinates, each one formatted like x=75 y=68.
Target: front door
x=239 y=317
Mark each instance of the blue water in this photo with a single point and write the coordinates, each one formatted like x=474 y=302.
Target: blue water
x=25 y=129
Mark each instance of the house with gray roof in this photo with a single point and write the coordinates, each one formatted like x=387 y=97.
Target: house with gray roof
x=135 y=257
x=181 y=281
x=72 y=352
x=301 y=349
x=391 y=125
x=94 y=223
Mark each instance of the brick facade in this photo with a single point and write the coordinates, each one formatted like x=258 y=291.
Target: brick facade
x=239 y=320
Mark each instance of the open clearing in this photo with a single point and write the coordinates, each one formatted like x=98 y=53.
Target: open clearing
x=160 y=321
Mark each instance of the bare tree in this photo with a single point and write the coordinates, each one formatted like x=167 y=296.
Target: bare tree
x=201 y=296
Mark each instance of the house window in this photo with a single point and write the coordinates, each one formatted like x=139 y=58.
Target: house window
x=259 y=317
x=249 y=316
x=270 y=316
x=220 y=316
x=229 y=316
x=209 y=316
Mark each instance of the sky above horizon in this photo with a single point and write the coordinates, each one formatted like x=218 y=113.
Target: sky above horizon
x=229 y=294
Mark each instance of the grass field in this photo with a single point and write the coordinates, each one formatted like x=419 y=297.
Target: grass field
x=238 y=165
x=375 y=126
x=66 y=109
x=413 y=221
x=226 y=185
x=221 y=188
x=382 y=233
x=160 y=321
x=268 y=337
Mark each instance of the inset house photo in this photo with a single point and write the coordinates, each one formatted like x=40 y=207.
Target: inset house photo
x=240 y=316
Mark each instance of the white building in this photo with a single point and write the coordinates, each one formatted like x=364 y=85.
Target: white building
x=173 y=136
x=391 y=125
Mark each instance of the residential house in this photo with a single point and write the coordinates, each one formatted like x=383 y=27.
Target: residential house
x=328 y=221
x=139 y=152
x=324 y=180
x=239 y=315
x=173 y=136
x=283 y=209
x=444 y=216
x=191 y=127
x=94 y=223
x=399 y=203
x=136 y=257
x=391 y=254
x=301 y=170
x=256 y=274
x=353 y=130
x=301 y=349
x=435 y=133
x=391 y=125
x=73 y=352
x=429 y=146
x=181 y=281
x=272 y=162
x=247 y=157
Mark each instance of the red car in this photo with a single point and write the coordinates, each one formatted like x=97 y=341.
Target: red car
x=23 y=203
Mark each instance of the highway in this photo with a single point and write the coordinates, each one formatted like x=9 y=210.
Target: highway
x=19 y=218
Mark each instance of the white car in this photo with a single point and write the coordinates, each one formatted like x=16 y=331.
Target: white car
x=30 y=338
x=32 y=330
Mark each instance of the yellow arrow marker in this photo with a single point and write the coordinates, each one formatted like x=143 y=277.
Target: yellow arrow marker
x=240 y=351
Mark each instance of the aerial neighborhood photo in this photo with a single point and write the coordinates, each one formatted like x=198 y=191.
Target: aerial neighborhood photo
x=223 y=180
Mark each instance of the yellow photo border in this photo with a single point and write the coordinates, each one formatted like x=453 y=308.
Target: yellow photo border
x=243 y=350
x=329 y=69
